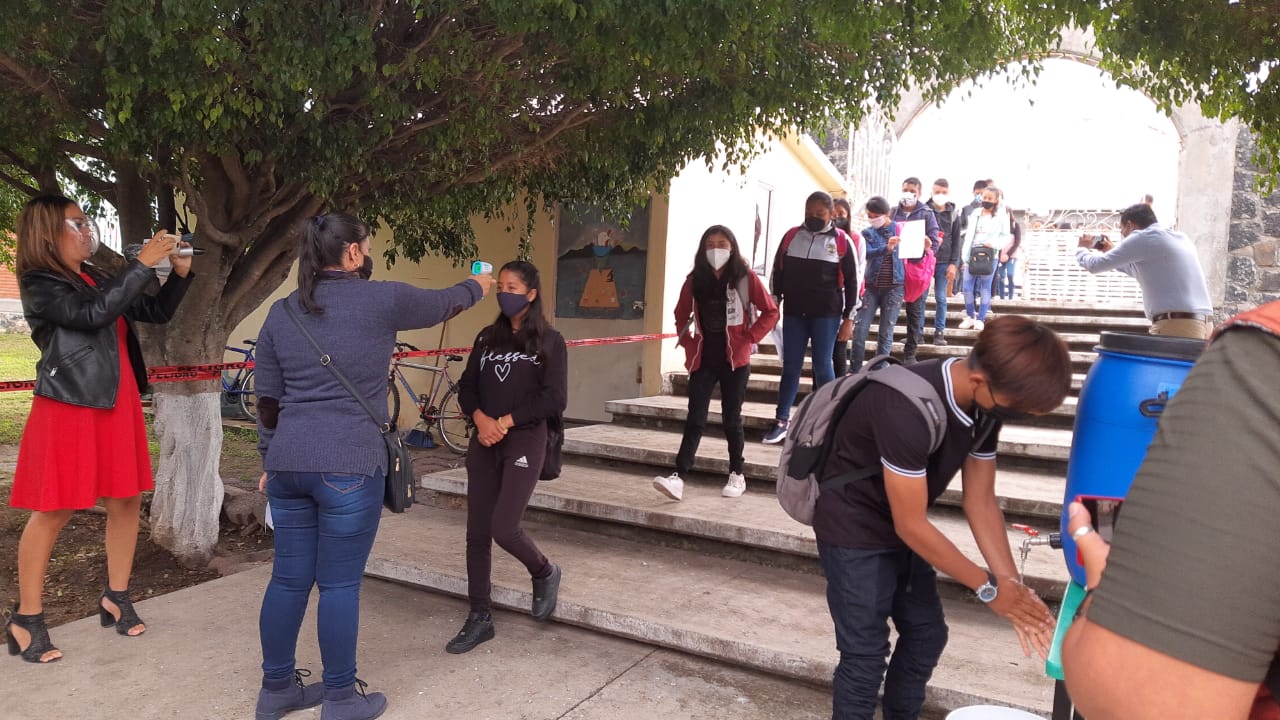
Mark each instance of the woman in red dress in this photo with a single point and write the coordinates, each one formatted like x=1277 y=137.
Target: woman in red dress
x=85 y=438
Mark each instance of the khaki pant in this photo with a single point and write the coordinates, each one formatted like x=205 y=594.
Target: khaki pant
x=1181 y=327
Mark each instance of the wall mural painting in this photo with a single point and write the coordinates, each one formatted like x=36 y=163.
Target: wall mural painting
x=600 y=270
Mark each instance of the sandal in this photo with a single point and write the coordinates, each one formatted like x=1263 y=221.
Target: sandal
x=128 y=618
x=38 y=646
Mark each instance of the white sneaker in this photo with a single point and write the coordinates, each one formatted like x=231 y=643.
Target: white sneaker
x=978 y=325
x=671 y=486
x=735 y=487
x=967 y=323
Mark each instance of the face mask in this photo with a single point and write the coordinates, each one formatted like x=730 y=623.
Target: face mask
x=940 y=200
x=1000 y=412
x=365 y=271
x=718 y=257
x=842 y=223
x=879 y=222
x=977 y=197
x=814 y=224
x=988 y=205
x=512 y=304
x=908 y=198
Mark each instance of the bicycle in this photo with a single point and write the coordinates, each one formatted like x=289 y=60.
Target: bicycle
x=238 y=386
x=447 y=415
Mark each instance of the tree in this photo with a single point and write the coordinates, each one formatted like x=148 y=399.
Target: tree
x=1223 y=55
x=424 y=115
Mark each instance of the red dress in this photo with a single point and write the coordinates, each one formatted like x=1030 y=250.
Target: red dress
x=72 y=455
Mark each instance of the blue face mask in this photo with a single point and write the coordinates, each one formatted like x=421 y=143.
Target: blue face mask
x=512 y=304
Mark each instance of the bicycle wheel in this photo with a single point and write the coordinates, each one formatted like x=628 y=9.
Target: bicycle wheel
x=455 y=428
x=393 y=401
x=248 y=398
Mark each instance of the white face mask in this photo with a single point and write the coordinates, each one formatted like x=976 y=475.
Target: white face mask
x=718 y=257
x=879 y=222
x=909 y=198
x=940 y=200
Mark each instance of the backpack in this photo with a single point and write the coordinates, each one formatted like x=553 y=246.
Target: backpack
x=918 y=276
x=808 y=442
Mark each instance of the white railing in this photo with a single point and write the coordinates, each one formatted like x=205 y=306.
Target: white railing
x=1049 y=271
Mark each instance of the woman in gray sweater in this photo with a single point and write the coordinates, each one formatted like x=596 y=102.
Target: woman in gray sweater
x=324 y=459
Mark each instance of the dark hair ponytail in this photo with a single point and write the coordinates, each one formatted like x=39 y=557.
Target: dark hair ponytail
x=324 y=239
x=528 y=339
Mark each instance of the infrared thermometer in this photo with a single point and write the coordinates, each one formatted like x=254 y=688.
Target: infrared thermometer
x=480 y=267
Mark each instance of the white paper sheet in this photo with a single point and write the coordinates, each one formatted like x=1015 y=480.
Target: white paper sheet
x=912 y=237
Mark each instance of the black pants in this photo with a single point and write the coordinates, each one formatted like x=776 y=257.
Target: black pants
x=714 y=370
x=500 y=481
x=915 y=324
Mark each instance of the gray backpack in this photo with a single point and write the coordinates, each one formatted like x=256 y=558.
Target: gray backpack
x=809 y=437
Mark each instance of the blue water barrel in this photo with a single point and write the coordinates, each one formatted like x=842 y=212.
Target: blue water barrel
x=1120 y=404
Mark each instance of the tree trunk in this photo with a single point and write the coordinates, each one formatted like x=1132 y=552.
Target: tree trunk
x=188 y=494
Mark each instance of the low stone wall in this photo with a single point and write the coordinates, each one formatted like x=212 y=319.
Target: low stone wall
x=13 y=323
x=1253 y=270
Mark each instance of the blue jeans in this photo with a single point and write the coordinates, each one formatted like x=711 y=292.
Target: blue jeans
x=864 y=589
x=324 y=528
x=1004 y=278
x=940 y=298
x=976 y=287
x=796 y=333
x=889 y=302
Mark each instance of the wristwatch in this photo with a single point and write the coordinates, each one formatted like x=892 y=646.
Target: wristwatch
x=988 y=591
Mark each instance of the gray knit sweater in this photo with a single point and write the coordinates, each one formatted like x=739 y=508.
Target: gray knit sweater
x=321 y=428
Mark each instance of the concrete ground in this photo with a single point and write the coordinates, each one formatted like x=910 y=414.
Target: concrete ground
x=200 y=660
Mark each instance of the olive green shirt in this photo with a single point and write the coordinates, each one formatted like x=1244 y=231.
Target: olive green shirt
x=1194 y=570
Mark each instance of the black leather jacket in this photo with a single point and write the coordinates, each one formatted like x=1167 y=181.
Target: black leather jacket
x=74 y=325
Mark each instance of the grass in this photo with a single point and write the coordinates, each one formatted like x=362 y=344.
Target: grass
x=18 y=356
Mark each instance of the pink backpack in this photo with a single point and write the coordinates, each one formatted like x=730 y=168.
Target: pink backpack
x=918 y=275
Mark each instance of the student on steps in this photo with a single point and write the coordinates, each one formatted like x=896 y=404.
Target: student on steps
x=723 y=311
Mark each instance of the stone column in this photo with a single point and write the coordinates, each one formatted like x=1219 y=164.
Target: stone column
x=1253 y=273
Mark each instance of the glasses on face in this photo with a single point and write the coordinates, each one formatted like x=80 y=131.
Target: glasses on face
x=81 y=225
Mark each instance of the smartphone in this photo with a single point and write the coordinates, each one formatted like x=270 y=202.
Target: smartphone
x=1098 y=240
x=1104 y=512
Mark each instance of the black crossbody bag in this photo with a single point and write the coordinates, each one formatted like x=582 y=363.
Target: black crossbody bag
x=399 y=493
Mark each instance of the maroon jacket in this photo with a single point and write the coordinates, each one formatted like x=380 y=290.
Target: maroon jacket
x=748 y=321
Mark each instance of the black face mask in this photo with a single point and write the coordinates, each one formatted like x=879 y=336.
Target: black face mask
x=988 y=205
x=842 y=223
x=814 y=224
x=1000 y=413
x=365 y=271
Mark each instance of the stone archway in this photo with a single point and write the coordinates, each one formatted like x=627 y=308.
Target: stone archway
x=1206 y=166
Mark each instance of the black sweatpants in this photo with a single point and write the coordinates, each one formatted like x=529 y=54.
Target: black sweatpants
x=500 y=481
x=714 y=370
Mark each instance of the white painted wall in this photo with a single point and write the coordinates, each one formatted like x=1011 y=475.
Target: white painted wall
x=792 y=167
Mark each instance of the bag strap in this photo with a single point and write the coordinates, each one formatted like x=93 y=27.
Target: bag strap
x=383 y=427
x=916 y=389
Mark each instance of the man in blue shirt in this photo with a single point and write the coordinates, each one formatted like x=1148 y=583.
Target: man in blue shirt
x=1164 y=263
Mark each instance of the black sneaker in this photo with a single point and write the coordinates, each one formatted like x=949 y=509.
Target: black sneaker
x=477 y=629
x=939 y=340
x=545 y=592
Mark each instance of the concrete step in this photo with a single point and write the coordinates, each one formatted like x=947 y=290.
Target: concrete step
x=625 y=496
x=770 y=363
x=955 y=304
x=1079 y=342
x=1034 y=491
x=756 y=416
x=765 y=618
x=763 y=385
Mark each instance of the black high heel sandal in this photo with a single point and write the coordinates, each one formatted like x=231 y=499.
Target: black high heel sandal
x=128 y=618
x=39 y=632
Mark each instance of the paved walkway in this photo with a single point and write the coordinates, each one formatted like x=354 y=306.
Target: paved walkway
x=200 y=660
